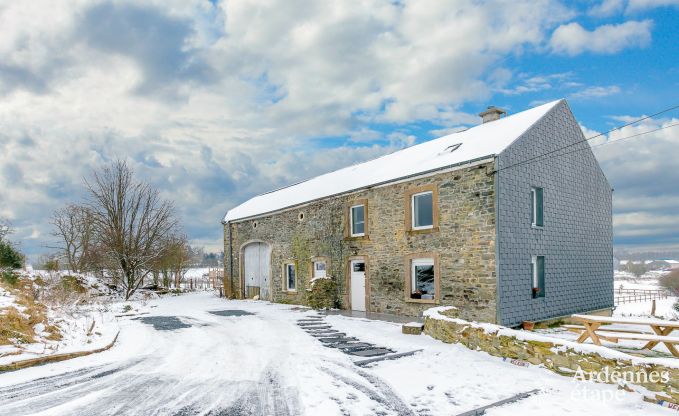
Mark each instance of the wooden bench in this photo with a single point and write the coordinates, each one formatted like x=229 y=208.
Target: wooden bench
x=579 y=328
x=593 y=330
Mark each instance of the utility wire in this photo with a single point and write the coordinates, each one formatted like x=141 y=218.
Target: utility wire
x=609 y=142
x=595 y=136
x=635 y=135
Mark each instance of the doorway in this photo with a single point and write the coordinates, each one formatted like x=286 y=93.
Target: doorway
x=256 y=270
x=357 y=268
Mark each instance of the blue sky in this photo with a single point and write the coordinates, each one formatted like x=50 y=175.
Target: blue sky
x=216 y=101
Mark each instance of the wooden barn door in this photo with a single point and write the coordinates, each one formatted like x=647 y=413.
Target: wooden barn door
x=256 y=270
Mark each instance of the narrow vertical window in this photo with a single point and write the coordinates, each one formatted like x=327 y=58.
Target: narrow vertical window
x=422 y=210
x=357 y=214
x=538 y=276
x=290 y=280
x=537 y=207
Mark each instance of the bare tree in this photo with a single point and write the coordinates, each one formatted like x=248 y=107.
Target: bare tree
x=5 y=228
x=73 y=226
x=130 y=222
x=181 y=256
x=175 y=260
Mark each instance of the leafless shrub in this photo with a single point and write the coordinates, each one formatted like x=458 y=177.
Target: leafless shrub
x=670 y=281
x=73 y=226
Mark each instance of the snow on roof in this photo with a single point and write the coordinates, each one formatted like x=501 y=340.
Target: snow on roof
x=484 y=140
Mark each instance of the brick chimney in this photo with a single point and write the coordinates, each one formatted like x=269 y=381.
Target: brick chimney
x=492 y=113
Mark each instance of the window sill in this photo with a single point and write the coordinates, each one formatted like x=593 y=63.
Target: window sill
x=537 y=227
x=423 y=231
x=290 y=292
x=357 y=238
x=430 y=301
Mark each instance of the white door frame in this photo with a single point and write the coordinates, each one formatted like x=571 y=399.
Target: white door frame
x=355 y=295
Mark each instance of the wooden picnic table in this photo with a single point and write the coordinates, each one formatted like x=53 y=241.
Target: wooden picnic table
x=660 y=327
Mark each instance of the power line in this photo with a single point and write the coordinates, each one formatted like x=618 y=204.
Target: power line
x=612 y=141
x=635 y=135
x=595 y=136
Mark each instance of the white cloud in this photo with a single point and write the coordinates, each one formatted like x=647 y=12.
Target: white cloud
x=526 y=83
x=573 y=39
x=639 y=5
x=606 y=8
x=611 y=7
x=595 y=91
x=642 y=170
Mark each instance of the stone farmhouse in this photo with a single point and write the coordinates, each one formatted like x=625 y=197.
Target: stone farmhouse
x=509 y=221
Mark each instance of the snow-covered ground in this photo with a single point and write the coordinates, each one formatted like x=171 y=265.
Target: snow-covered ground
x=182 y=359
x=664 y=308
x=83 y=323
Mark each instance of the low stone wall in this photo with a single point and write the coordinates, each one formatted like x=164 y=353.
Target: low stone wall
x=560 y=356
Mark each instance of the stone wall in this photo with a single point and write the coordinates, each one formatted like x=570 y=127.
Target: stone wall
x=556 y=356
x=464 y=243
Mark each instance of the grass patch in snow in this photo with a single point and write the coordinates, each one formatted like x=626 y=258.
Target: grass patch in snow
x=9 y=278
x=17 y=323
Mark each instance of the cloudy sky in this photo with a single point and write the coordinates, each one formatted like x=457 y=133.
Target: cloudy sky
x=216 y=101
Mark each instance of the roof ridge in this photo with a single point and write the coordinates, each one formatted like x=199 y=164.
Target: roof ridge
x=483 y=139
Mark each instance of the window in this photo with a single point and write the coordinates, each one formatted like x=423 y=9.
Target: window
x=423 y=210
x=319 y=269
x=290 y=277
x=536 y=207
x=422 y=285
x=357 y=220
x=538 y=276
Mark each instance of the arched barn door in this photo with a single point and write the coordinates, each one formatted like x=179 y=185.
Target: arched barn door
x=256 y=270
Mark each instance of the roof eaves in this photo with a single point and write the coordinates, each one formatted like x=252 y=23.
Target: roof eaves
x=457 y=165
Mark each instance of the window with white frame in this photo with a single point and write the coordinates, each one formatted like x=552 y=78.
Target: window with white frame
x=422 y=285
x=537 y=207
x=422 y=210
x=357 y=220
x=538 y=276
x=319 y=268
x=290 y=277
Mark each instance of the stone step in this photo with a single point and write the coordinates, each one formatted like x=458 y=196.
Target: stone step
x=311 y=323
x=316 y=328
x=337 y=340
x=332 y=334
x=373 y=352
x=352 y=346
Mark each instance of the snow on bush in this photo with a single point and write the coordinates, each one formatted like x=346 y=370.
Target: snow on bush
x=322 y=293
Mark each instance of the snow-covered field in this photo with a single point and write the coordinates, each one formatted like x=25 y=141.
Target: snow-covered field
x=648 y=281
x=182 y=359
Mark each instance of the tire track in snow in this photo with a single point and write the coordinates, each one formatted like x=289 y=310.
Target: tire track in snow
x=45 y=385
x=375 y=389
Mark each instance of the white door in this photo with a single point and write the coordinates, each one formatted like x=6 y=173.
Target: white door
x=358 y=285
x=256 y=265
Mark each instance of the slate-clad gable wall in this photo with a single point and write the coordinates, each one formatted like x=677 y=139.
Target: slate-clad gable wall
x=464 y=243
x=576 y=239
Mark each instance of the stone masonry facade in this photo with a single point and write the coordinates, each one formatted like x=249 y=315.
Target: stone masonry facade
x=463 y=242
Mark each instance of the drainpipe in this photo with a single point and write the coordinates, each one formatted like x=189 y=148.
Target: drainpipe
x=498 y=286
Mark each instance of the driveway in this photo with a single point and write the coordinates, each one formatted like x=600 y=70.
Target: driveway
x=201 y=355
